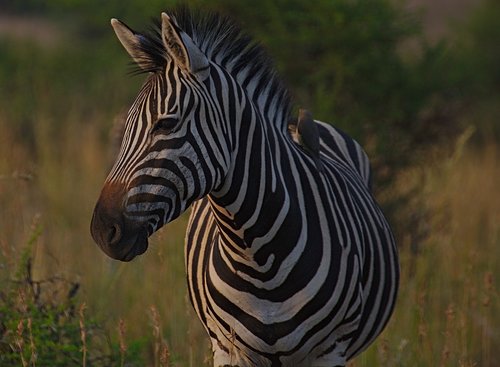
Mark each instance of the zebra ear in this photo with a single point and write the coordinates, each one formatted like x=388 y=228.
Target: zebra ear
x=182 y=49
x=131 y=41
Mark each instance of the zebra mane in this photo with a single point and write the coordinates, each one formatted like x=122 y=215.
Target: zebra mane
x=224 y=43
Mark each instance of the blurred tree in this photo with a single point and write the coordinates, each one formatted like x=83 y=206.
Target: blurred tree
x=476 y=67
x=343 y=60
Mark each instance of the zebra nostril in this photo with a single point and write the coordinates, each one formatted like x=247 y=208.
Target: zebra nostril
x=114 y=234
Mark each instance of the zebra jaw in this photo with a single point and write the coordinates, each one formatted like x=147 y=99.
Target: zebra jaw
x=118 y=236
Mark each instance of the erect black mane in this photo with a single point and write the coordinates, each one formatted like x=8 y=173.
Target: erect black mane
x=224 y=43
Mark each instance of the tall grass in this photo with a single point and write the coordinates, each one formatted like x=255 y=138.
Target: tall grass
x=54 y=155
x=60 y=188
x=447 y=312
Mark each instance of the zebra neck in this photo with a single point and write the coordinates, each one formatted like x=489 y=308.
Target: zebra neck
x=254 y=204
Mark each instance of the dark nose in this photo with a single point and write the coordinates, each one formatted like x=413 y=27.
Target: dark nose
x=107 y=226
x=118 y=236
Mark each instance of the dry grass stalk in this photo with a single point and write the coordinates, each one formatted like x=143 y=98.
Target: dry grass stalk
x=448 y=333
x=155 y=318
x=383 y=350
x=423 y=326
x=83 y=334
x=32 y=343
x=164 y=355
x=489 y=293
x=121 y=338
x=161 y=351
x=20 y=341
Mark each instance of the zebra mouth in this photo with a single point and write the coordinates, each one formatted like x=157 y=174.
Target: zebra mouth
x=139 y=246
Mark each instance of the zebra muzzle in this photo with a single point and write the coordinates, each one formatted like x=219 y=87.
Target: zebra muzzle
x=118 y=236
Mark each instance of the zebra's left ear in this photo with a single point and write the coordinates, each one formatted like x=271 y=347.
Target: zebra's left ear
x=131 y=41
x=182 y=49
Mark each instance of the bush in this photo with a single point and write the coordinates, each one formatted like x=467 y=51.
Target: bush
x=476 y=69
x=43 y=325
x=344 y=61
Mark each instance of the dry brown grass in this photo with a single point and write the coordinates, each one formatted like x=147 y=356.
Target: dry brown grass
x=447 y=313
x=448 y=308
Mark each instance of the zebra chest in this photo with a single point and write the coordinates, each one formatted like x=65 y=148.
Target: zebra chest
x=278 y=306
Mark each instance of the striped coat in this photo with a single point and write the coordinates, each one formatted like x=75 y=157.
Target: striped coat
x=287 y=264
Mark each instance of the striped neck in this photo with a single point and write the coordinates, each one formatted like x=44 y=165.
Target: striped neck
x=255 y=191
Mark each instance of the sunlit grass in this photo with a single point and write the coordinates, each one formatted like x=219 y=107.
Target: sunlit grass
x=57 y=185
x=447 y=312
x=56 y=110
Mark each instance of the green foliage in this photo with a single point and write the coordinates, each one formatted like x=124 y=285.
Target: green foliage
x=347 y=61
x=42 y=324
x=480 y=47
x=343 y=61
x=342 y=52
x=476 y=69
x=364 y=66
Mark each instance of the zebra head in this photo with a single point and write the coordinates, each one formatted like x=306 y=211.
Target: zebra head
x=163 y=164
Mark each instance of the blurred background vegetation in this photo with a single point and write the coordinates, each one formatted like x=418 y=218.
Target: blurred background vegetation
x=416 y=82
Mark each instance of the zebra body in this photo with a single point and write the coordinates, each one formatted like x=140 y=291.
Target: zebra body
x=287 y=265
x=238 y=292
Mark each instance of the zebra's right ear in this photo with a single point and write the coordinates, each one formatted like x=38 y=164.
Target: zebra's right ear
x=131 y=41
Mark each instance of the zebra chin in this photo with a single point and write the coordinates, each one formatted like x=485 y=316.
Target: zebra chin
x=118 y=236
x=127 y=248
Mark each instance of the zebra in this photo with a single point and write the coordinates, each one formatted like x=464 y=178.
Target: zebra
x=288 y=263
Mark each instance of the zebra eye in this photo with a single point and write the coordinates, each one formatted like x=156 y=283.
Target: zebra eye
x=165 y=124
